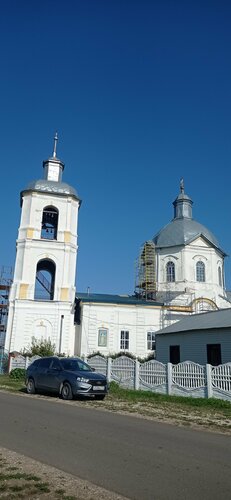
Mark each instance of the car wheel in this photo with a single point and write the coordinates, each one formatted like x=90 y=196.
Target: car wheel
x=30 y=387
x=100 y=397
x=66 y=391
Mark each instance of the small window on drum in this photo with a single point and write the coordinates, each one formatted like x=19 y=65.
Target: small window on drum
x=219 y=276
x=49 y=223
x=200 y=271
x=170 y=272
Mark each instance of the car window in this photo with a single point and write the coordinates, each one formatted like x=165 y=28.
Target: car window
x=55 y=364
x=75 y=365
x=35 y=364
x=84 y=367
x=45 y=363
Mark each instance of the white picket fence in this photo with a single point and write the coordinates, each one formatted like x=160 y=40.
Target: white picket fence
x=184 y=379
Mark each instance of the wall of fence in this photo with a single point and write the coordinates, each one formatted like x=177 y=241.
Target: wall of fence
x=185 y=379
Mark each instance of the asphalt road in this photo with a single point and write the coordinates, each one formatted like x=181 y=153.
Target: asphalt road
x=138 y=458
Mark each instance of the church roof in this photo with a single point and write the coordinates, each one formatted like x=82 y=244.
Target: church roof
x=46 y=186
x=183 y=229
x=115 y=299
x=182 y=232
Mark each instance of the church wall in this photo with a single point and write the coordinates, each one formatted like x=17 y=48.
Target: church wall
x=137 y=320
x=41 y=320
x=185 y=259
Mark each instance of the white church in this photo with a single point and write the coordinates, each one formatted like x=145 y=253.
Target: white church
x=179 y=272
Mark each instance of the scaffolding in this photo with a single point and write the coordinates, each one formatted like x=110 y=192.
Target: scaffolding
x=6 y=278
x=145 y=286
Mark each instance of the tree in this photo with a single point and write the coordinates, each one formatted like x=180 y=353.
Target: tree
x=41 y=347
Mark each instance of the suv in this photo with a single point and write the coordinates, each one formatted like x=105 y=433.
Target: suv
x=67 y=377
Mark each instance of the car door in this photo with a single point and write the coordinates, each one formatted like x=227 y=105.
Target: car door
x=53 y=375
x=41 y=376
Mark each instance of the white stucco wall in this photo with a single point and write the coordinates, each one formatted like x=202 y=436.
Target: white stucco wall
x=185 y=259
x=137 y=320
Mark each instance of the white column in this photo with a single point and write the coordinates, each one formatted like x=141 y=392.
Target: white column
x=137 y=375
x=209 y=381
x=109 y=365
x=169 y=378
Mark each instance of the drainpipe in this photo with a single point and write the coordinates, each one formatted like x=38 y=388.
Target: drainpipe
x=61 y=333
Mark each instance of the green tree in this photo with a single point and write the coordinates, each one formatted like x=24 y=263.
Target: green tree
x=41 y=347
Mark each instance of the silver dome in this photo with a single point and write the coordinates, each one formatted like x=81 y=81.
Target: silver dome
x=46 y=186
x=183 y=228
x=182 y=232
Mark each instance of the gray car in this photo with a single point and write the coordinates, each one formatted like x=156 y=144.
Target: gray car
x=67 y=377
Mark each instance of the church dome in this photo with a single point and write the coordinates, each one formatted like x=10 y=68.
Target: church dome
x=183 y=228
x=52 y=182
x=46 y=186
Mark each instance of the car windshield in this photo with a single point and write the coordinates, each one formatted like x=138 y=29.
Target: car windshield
x=75 y=365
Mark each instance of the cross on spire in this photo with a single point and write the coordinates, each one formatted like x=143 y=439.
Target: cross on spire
x=55 y=145
x=182 y=185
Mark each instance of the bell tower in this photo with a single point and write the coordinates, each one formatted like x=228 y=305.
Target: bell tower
x=42 y=296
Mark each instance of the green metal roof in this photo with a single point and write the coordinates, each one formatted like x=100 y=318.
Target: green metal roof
x=115 y=299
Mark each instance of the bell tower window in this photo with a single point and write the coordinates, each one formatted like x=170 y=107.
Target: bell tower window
x=49 y=223
x=45 y=280
x=170 y=272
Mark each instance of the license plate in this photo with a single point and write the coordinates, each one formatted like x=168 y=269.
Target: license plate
x=98 y=388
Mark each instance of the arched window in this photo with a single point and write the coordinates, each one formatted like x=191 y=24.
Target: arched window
x=170 y=272
x=49 y=223
x=200 y=271
x=219 y=276
x=45 y=280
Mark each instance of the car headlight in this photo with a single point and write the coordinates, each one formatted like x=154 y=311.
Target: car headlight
x=82 y=379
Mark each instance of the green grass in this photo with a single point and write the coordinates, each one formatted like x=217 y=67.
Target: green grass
x=117 y=392
x=10 y=384
x=15 y=484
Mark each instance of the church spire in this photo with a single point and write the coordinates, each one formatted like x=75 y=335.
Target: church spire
x=53 y=167
x=182 y=204
x=182 y=185
x=55 y=144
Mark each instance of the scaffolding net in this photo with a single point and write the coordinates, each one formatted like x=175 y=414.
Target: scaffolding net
x=145 y=285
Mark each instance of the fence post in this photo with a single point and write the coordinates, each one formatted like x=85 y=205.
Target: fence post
x=169 y=378
x=10 y=362
x=137 y=375
x=109 y=365
x=209 y=381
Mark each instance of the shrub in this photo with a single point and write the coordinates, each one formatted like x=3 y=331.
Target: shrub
x=122 y=353
x=96 y=353
x=18 y=373
x=41 y=348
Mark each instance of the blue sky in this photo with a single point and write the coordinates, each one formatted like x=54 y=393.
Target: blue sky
x=139 y=92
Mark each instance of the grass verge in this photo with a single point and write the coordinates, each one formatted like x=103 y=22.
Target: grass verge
x=15 y=484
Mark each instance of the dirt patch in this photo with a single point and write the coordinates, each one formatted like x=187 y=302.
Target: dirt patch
x=198 y=418
x=24 y=478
